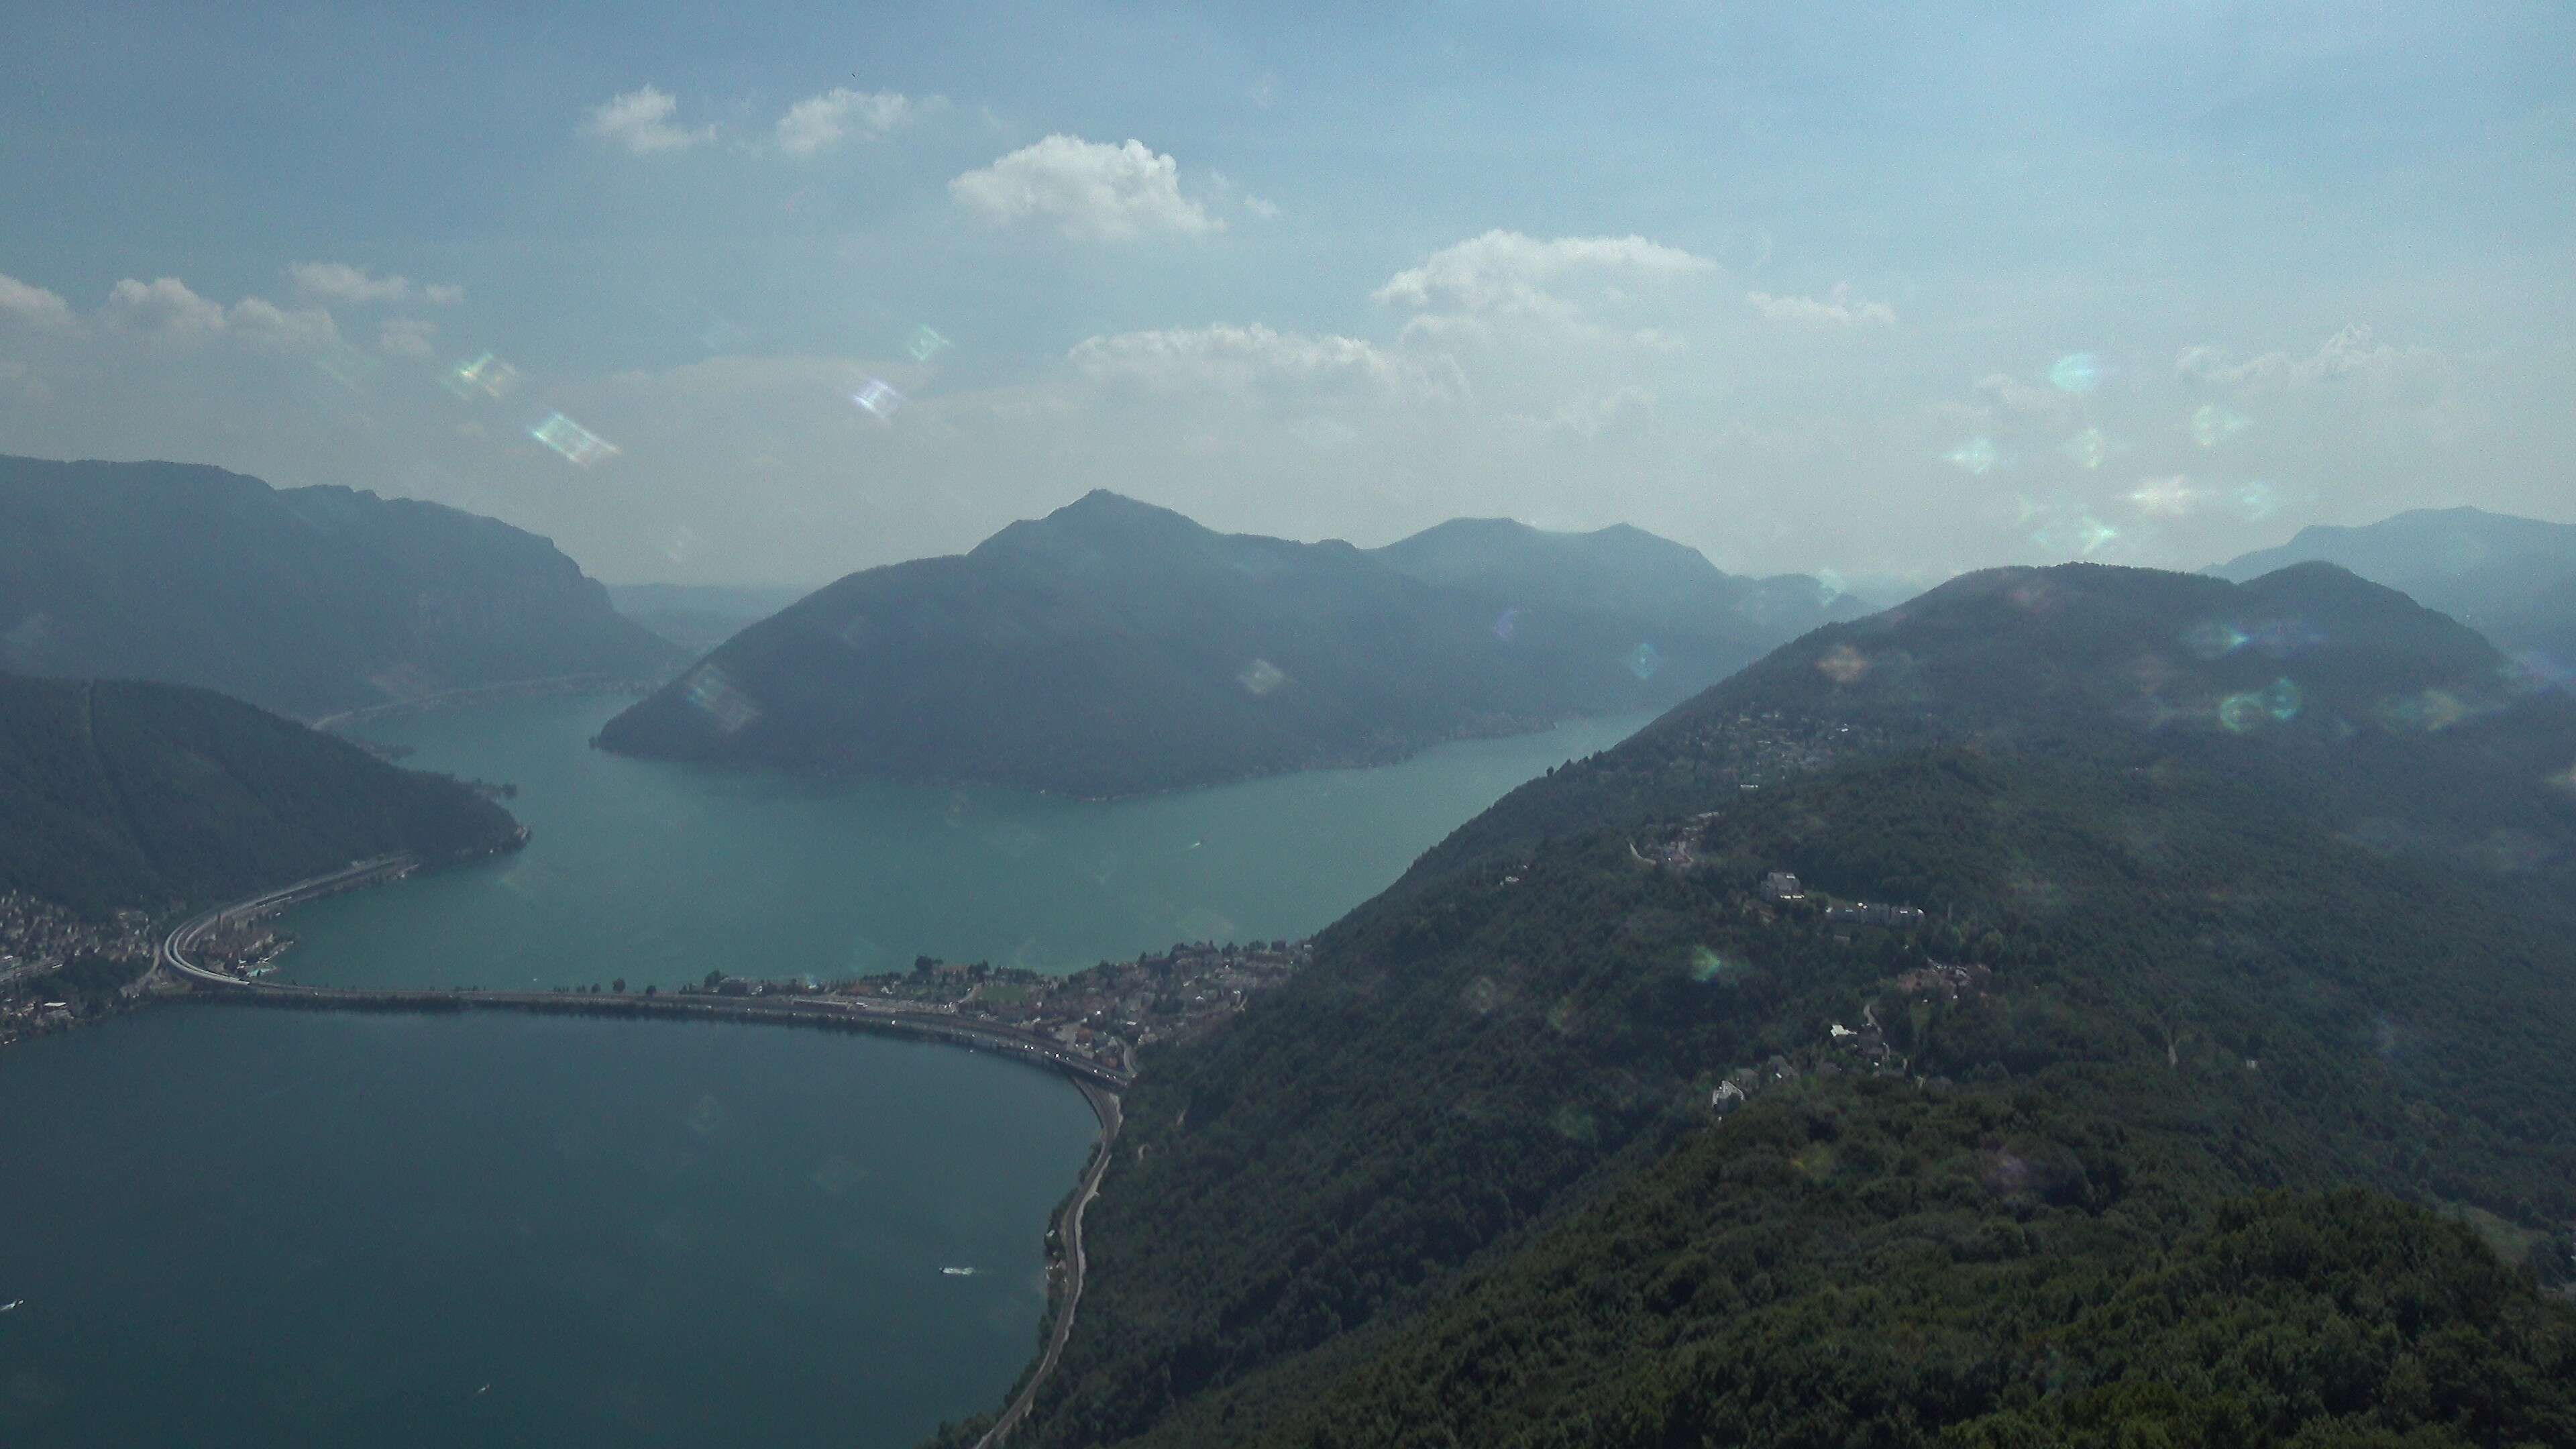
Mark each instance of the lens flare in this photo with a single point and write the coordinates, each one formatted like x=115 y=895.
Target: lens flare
x=1260 y=677
x=2076 y=372
x=2212 y=425
x=2429 y=711
x=1644 y=660
x=2256 y=501
x=1842 y=664
x=879 y=398
x=1506 y=624
x=2168 y=497
x=1977 y=455
x=926 y=344
x=2214 y=639
x=2088 y=449
x=712 y=693
x=578 y=445
x=484 y=376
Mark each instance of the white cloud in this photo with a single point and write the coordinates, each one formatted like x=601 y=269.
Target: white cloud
x=340 y=283
x=1241 y=357
x=1266 y=210
x=33 y=306
x=1089 y=190
x=167 y=314
x=2349 y=353
x=406 y=337
x=1838 y=308
x=1506 y=271
x=818 y=123
x=640 y=121
x=262 y=323
x=162 y=308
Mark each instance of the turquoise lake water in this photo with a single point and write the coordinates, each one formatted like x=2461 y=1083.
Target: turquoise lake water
x=240 y=1227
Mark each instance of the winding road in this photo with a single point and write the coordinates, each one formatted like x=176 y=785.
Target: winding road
x=1069 y=1233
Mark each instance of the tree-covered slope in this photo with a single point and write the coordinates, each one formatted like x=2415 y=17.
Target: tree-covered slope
x=2339 y=677
x=1461 y=1182
x=306 y=601
x=1114 y=648
x=2512 y=579
x=148 y=796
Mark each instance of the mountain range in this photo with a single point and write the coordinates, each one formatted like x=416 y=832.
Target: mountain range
x=2512 y=579
x=2218 y=1096
x=307 y=601
x=1115 y=648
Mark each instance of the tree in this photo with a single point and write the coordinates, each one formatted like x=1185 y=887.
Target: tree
x=617 y=985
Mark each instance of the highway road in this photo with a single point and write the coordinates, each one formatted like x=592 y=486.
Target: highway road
x=1069 y=1233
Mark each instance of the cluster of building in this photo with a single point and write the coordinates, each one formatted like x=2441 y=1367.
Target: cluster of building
x=1854 y=1050
x=57 y=968
x=1104 y=1012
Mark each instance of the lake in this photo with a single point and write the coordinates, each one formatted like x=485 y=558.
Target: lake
x=233 y=1226
x=659 y=872
x=242 y=1227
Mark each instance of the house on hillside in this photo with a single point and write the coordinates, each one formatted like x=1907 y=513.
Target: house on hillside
x=1780 y=885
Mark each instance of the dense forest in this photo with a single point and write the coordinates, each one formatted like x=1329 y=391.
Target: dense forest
x=1114 y=648
x=125 y=795
x=306 y=601
x=2172 y=1123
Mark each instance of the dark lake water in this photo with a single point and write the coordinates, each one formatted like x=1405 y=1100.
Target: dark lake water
x=237 y=1227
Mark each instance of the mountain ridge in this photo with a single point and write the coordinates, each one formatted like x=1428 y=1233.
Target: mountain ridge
x=308 y=601
x=1114 y=647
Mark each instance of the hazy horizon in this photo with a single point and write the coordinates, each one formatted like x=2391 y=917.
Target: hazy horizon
x=2148 y=285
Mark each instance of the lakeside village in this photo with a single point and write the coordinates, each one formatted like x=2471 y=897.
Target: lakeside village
x=1104 y=1012
x=57 y=969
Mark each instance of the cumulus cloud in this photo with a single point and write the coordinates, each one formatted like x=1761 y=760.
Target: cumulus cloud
x=819 y=123
x=263 y=324
x=167 y=314
x=640 y=121
x=1088 y=190
x=162 y=308
x=1837 y=308
x=1506 y=271
x=31 y=306
x=2348 y=354
x=340 y=283
x=1241 y=357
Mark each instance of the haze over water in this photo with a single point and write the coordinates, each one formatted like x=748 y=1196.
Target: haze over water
x=658 y=873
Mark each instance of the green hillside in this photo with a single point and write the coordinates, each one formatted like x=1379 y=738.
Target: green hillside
x=306 y=601
x=1114 y=648
x=151 y=796
x=2148 y=1131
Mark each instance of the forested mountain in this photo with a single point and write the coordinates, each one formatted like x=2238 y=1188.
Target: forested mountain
x=149 y=796
x=307 y=601
x=2512 y=579
x=2243 y=996
x=1114 y=648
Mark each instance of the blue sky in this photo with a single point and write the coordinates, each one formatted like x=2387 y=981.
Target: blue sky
x=1787 y=283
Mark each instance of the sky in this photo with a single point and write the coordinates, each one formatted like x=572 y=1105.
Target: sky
x=770 y=293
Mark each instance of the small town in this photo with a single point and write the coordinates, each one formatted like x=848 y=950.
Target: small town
x=57 y=968
x=1104 y=1012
